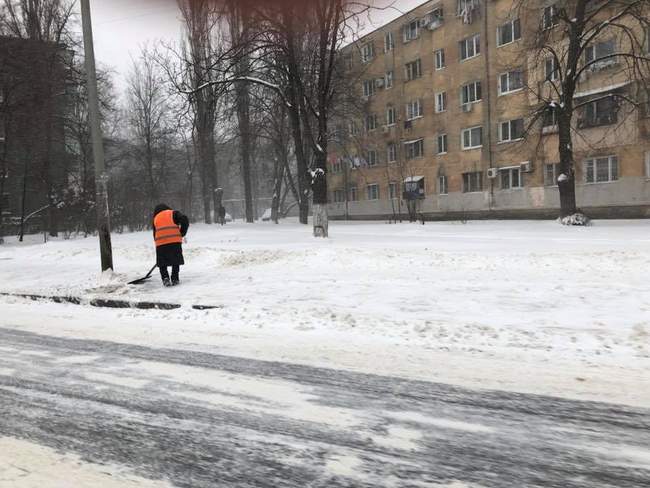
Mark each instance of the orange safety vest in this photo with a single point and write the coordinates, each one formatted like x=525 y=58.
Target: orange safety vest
x=167 y=232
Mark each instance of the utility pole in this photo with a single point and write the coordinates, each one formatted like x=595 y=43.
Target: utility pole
x=101 y=178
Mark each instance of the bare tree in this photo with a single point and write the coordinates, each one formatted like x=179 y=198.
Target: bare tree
x=148 y=113
x=575 y=41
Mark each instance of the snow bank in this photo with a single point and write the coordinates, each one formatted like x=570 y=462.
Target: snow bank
x=537 y=296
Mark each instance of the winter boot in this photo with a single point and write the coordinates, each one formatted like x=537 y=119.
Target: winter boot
x=176 y=281
x=166 y=282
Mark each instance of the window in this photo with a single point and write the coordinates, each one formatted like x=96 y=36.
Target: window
x=373 y=191
x=472 y=182
x=391 y=152
x=441 y=102
x=4 y=202
x=367 y=52
x=551 y=172
x=352 y=128
x=549 y=120
x=388 y=83
x=411 y=31
x=392 y=191
x=337 y=165
x=549 y=17
x=352 y=194
x=390 y=116
x=339 y=196
x=442 y=185
x=414 y=149
x=389 y=42
x=441 y=147
x=414 y=109
x=601 y=170
x=647 y=164
x=599 y=112
x=470 y=93
x=551 y=69
x=472 y=137
x=470 y=47
x=371 y=122
x=368 y=88
x=600 y=50
x=511 y=130
x=508 y=32
x=371 y=157
x=413 y=70
x=511 y=81
x=440 y=58
x=510 y=178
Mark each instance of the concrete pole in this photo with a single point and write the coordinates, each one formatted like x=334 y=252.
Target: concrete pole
x=101 y=178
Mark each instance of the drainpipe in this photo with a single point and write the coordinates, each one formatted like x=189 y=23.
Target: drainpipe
x=488 y=100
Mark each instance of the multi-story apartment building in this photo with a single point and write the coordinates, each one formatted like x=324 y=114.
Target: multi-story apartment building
x=448 y=92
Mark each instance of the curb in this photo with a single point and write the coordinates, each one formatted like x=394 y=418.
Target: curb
x=107 y=302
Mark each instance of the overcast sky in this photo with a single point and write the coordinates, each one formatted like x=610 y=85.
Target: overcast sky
x=122 y=26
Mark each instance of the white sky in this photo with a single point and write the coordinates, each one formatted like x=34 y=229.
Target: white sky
x=122 y=26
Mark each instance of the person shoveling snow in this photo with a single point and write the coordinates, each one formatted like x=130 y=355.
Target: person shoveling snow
x=169 y=229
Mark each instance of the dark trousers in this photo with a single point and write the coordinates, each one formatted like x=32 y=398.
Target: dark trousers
x=164 y=274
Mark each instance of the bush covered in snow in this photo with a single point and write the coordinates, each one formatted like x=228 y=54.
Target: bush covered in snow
x=575 y=219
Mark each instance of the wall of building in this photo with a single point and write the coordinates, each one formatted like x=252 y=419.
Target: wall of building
x=628 y=139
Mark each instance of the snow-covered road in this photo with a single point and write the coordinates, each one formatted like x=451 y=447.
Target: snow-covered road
x=79 y=412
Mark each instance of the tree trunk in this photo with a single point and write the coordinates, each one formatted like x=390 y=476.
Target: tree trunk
x=566 y=179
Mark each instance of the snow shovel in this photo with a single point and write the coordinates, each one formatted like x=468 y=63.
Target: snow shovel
x=139 y=281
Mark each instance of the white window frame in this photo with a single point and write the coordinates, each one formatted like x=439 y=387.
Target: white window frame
x=611 y=175
x=510 y=123
x=509 y=170
x=510 y=23
x=439 y=59
x=391 y=152
x=375 y=186
x=368 y=88
x=478 y=176
x=389 y=41
x=372 y=158
x=441 y=102
x=415 y=109
x=554 y=75
x=409 y=145
x=413 y=70
x=554 y=174
x=509 y=77
x=407 y=30
x=475 y=42
x=550 y=21
x=371 y=126
x=367 y=52
x=391 y=116
x=393 y=194
x=388 y=80
x=592 y=55
x=443 y=185
x=466 y=89
x=469 y=131
x=442 y=142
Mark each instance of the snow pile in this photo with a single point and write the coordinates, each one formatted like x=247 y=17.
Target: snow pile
x=575 y=219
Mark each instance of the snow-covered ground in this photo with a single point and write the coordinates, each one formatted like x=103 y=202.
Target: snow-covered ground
x=529 y=306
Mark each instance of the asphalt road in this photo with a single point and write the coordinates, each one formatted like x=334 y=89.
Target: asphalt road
x=207 y=420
